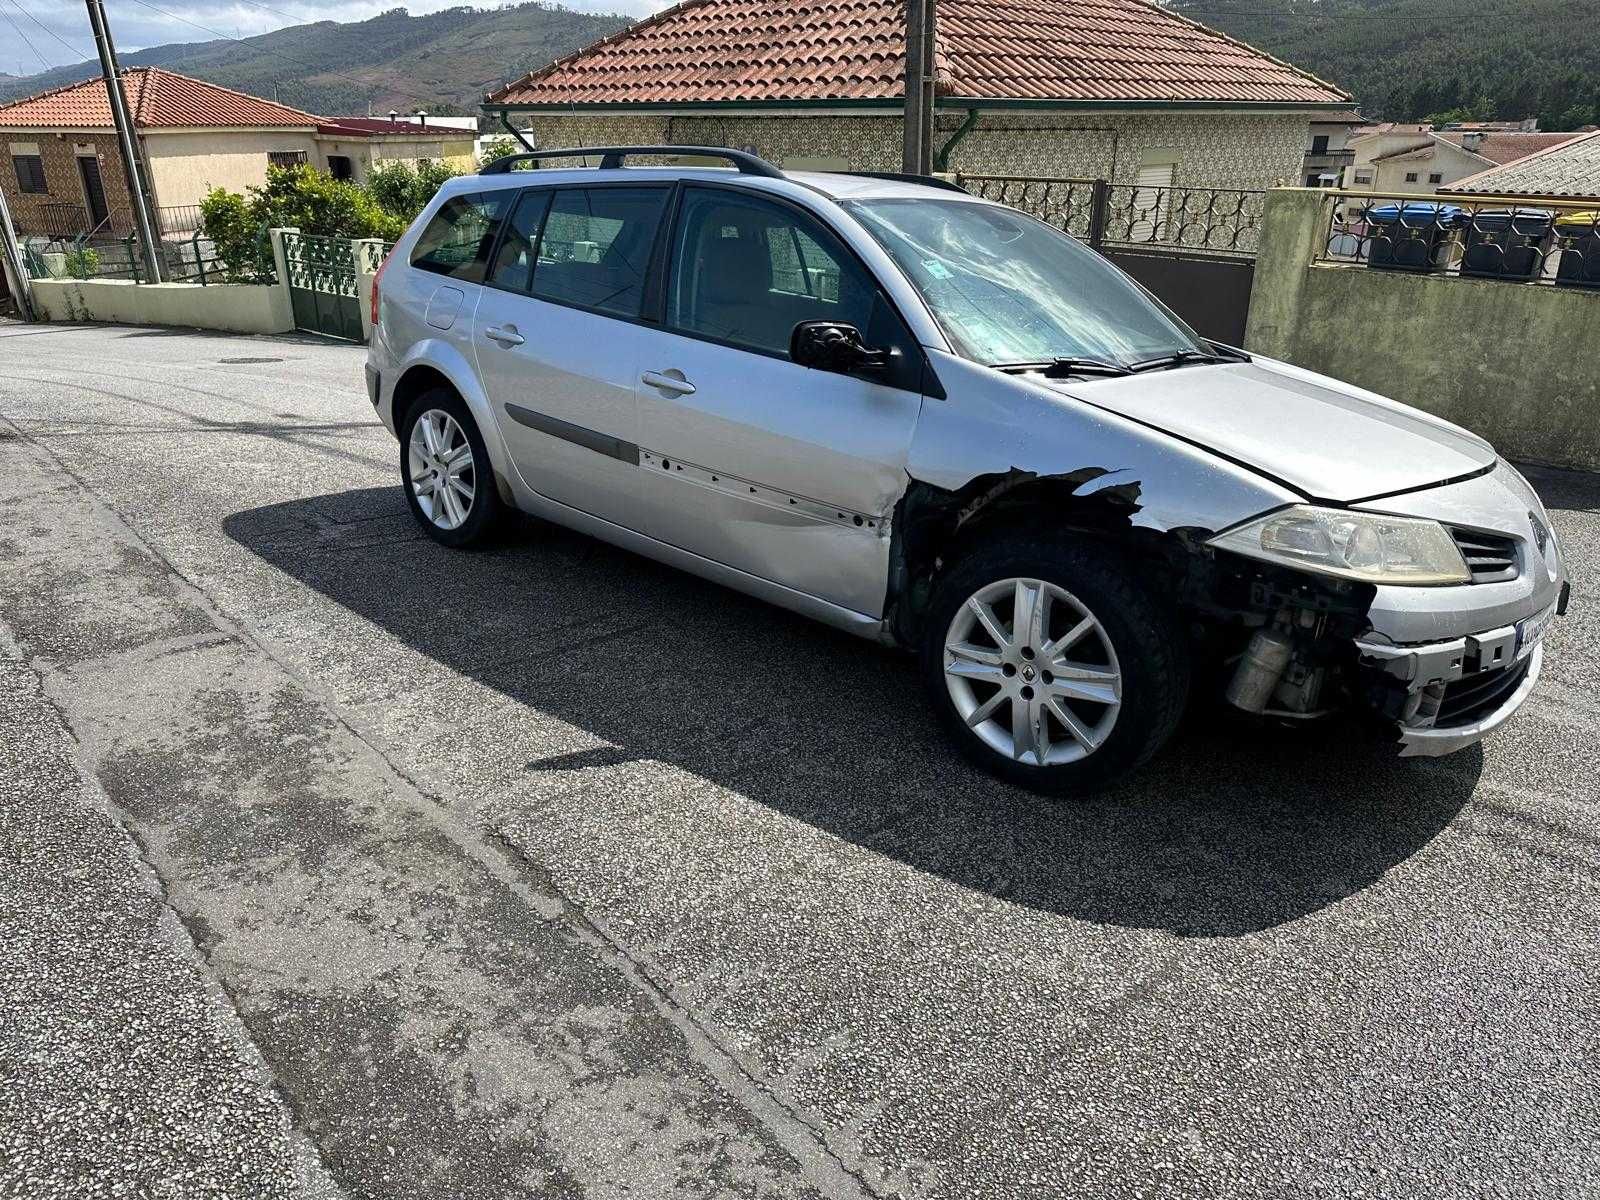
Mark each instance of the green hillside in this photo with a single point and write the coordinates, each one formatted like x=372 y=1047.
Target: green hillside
x=442 y=61
x=1411 y=59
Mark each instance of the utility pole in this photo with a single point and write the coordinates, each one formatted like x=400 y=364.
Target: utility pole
x=921 y=17
x=11 y=264
x=137 y=195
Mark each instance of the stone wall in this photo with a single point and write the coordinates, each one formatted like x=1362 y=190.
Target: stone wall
x=1222 y=149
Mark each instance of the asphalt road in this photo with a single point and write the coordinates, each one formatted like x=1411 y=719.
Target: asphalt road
x=337 y=864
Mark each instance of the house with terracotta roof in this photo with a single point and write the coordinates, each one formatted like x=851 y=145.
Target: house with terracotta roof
x=1122 y=90
x=65 y=174
x=1569 y=170
x=1419 y=158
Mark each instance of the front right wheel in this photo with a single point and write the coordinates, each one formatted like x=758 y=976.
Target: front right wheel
x=1052 y=666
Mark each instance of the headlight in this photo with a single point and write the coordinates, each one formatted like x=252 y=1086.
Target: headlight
x=1352 y=545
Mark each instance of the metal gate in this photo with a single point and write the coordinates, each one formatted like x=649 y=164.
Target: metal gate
x=322 y=285
x=1195 y=248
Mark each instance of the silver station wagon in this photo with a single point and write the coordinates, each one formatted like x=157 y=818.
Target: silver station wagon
x=941 y=424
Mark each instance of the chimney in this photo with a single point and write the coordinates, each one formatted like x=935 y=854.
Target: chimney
x=422 y=118
x=1471 y=141
x=394 y=116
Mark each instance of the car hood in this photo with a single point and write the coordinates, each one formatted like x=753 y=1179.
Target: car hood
x=1321 y=437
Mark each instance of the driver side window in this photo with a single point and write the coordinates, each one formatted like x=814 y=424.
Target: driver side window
x=746 y=271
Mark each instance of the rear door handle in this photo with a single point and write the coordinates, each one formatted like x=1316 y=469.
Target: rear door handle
x=674 y=383
x=505 y=335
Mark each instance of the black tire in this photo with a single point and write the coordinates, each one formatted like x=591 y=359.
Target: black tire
x=1144 y=636
x=486 y=512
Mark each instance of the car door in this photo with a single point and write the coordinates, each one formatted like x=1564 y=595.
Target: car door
x=746 y=457
x=558 y=341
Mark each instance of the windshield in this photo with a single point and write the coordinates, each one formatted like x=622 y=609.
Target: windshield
x=1007 y=289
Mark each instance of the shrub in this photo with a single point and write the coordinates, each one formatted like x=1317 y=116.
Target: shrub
x=239 y=237
x=403 y=191
x=504 y=148
x=319 y=204
x=83 y=262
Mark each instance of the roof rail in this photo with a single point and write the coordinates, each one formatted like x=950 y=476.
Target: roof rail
x=611 y=158
x=932 y=181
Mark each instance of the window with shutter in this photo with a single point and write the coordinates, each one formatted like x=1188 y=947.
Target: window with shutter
x=30 y=173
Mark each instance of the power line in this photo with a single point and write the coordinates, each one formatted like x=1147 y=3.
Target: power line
x=48 y=65
x=78 y=50
x=276 y=54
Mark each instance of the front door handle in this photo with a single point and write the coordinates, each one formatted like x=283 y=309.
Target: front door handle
x=506 y=335
x=670 y=381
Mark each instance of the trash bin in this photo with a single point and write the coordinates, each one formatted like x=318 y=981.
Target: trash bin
x=1578 y=240
x=1409 y=237
x=1506 y=243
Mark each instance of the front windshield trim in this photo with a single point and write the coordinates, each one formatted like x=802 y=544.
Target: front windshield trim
x=1050 y=317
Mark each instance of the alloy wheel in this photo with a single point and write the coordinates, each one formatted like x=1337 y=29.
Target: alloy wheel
x=443 y=475
x=1032 y=672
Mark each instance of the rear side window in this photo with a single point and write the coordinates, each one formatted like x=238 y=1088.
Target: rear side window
x=458 y=240
x=596 y=247
x=513 y=262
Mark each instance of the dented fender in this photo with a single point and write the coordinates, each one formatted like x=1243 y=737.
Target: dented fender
x=1018 y=429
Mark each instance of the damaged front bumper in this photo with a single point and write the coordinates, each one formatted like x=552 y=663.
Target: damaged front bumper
x=1446 y=696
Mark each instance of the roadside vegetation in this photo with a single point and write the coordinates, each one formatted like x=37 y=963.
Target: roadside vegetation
x=313 y=202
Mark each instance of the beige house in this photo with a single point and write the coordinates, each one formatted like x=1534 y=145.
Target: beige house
x=1089 y=89
x=64 y=175
x=1419 y=158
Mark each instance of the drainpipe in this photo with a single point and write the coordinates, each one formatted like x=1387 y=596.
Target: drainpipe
x=505 y=120
x=942 y=159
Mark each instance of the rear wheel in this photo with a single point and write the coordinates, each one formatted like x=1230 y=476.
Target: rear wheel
x=1051 y=666
x=448 y=478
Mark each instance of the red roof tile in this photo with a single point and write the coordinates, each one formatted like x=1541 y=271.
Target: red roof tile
x=1505 y=148
x=156 y=99
x=776 y=50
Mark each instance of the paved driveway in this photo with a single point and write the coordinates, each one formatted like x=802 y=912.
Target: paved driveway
x=340 y=864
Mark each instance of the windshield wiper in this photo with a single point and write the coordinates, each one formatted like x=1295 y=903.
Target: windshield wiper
x=1061 y=368
x=1183 y=358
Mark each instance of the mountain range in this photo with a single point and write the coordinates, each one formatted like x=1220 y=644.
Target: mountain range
x=1408 y=60
x=442 y=61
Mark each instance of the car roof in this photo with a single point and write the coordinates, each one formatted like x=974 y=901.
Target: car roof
x=836 y=186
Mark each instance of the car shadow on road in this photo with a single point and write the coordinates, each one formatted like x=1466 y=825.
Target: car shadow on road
x=1234 y=828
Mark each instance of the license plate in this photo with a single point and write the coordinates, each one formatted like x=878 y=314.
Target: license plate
x=1532 y=630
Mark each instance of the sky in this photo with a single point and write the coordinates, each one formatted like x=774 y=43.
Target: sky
x=58 y=30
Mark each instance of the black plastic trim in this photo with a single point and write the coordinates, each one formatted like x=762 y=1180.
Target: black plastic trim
x=578 y=435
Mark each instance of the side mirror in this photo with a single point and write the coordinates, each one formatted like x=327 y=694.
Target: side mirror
x=835 y=346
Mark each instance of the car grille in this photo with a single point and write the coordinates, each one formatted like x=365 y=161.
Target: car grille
x=1490 y=557
x=1474 y=696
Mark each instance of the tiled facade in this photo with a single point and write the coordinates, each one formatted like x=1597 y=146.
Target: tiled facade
x=42 y=214
x=1219 y=149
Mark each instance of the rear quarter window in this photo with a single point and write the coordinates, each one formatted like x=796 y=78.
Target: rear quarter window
x=459 y=238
